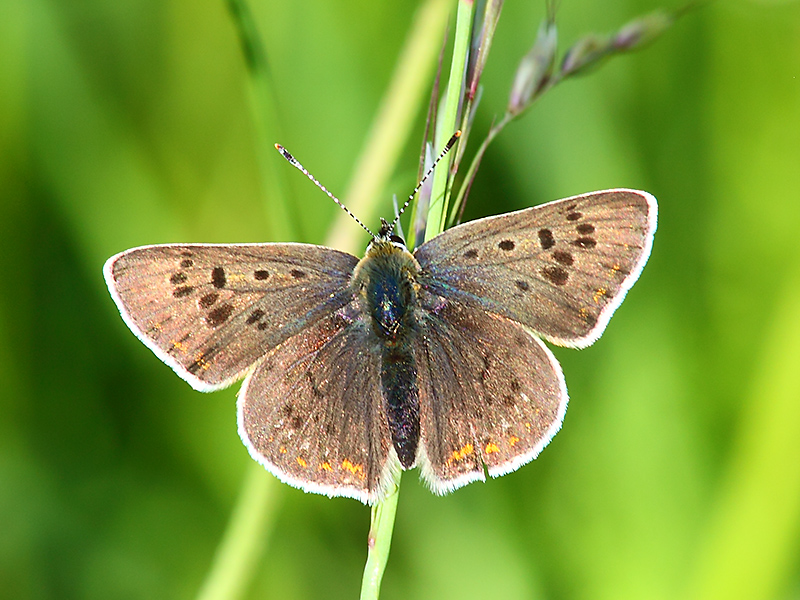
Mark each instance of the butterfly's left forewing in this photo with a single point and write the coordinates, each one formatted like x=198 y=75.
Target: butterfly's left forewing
x=212 y=311
x=561 y=268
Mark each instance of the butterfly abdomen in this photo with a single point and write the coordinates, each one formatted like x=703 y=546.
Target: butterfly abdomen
x=399 y=387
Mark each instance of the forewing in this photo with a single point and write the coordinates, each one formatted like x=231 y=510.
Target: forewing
x=491 y=394
x=560 y=268
x=211 y=311
x=312 y=413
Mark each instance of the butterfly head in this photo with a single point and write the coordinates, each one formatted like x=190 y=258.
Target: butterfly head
x=387 y=236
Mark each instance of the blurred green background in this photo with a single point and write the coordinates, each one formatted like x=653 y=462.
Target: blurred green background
x=677 y=472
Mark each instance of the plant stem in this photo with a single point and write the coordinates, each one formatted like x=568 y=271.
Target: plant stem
x=244 y=539
x=447 y=119
x=380 y=540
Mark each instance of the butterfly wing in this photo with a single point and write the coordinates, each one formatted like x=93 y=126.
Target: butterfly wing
x=560 y=268
x=490 y=394
x=312 y=412
x=210 y=312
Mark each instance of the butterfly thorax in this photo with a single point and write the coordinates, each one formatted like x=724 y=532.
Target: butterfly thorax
x=386 y=281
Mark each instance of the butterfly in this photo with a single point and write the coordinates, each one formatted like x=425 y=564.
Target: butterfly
x=355 y=369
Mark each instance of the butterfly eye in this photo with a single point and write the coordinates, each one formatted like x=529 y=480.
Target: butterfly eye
x=397 y=239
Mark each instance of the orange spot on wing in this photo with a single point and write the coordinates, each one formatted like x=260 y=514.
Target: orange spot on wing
x=513 y=440
x=599 y=294
x=202 y=362
x=282 y=450
x=353 y=468
x=491 y=447
x=301 y=462
x=459 y=454
x=326 y=466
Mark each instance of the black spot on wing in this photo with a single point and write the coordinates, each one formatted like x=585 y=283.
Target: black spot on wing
x=178 y=278
x=565 y=258
x=208 y=300
x=506 y=245
x=183 y=291
x=261 y=274
x=255 y=316
x=585 y=228
x=584 y=242
x=219 y=315
x=218 y=278
x=546 y=239
x=555 y=275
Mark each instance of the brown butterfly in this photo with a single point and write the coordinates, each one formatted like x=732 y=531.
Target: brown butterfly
x=355 y=369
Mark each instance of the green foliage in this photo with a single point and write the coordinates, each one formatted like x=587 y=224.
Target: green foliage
x=677 y=472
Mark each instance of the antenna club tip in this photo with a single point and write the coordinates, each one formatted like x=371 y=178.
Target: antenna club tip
x=285 y=153
x=456 y=134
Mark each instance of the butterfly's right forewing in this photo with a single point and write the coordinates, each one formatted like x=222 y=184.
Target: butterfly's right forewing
x=212 y=311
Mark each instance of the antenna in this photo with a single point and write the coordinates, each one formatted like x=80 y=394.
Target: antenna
x=447 y=147
x=295 y=163
x=386 y=228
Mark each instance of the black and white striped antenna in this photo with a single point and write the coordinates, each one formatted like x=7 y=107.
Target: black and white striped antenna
x=386 y=229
